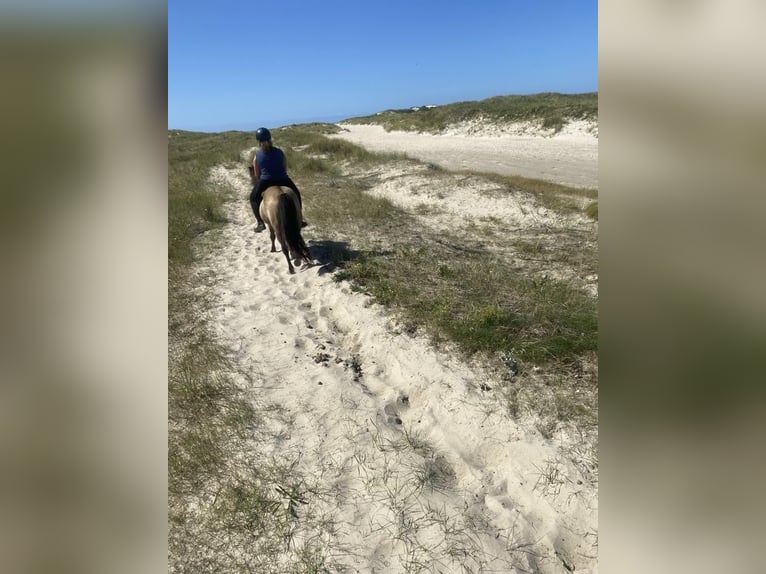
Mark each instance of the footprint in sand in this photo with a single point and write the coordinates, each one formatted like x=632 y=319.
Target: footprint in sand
x=300 y=294
x=304 y=342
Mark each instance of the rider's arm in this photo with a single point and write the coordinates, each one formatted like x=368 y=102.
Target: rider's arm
x=257 y=169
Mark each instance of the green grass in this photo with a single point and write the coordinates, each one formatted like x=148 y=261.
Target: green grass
x=479 y=303
x=193 y=205
x=552 y=109
x=592 y=210
x=551 y=195
x=311 y=154
x=554 y=122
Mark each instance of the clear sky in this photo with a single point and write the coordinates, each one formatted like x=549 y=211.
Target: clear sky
x=238 y=65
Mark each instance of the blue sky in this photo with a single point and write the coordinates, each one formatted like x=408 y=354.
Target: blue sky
x=240 y=65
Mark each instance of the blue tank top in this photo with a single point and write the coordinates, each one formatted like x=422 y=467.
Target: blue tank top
x=272 y=163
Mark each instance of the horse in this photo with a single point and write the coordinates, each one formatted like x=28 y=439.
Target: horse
x=281 y=212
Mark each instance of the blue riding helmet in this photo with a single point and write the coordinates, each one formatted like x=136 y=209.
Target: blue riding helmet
x=262 y=135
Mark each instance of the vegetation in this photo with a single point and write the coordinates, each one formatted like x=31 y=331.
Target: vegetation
x=539 y=332
x=592 y=210
x=193 y=204
x=551 y=109
x=209 y=416
x=454 y=288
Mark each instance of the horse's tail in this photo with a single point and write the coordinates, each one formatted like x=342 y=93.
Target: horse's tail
x=288 y=214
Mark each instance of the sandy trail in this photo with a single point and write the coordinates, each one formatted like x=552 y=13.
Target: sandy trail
x=568 y=159
x=415 y=466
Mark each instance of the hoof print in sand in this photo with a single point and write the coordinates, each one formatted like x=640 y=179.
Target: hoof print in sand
x=392 y=416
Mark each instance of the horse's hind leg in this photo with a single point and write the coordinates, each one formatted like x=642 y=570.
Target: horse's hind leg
x=296 y=257
x=305 y=254
x=289 y=263
x=273 y=235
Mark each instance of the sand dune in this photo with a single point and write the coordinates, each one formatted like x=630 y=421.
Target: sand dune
x=570 y=158
x=413 y=462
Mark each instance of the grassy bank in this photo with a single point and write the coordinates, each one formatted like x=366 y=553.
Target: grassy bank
x=193 y=204
x=552 y=110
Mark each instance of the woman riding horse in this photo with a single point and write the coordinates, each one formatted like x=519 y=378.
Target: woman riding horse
x=269 y=168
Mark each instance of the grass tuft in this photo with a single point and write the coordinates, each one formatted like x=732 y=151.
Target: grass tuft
x=592 y=210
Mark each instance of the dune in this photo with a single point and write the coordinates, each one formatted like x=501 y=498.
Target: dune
x=568 y=158
x=413 y=460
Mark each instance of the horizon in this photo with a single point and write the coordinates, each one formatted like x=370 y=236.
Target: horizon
x=334 y=119
x=233 y=66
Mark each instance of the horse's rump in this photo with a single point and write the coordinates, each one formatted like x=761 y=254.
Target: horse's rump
x=281 y=212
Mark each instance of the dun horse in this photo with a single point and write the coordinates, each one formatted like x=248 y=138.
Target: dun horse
x=281 y=212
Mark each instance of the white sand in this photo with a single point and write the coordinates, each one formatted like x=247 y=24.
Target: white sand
x=569 y=158
x=413 y=462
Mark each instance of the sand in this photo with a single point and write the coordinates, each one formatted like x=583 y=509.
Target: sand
x=412 y=459
x=569 y=158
